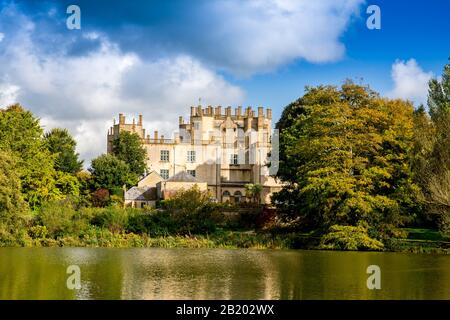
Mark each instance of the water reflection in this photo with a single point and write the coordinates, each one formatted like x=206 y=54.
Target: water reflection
x=40 y=273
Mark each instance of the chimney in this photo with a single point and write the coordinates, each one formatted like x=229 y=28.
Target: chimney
x=260 y=112
x=199 y=111
x=269 y=113
x=121 y=118
x=155 y=137
x=140 y=120
x=210 y=111
x=249 y=112
x=180 y=120
x=192 y=111
x=219 y=110
x=162 y=138
x=239 y=111
x=228 y=111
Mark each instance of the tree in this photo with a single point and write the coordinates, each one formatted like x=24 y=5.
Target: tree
x=111 y=173
x=431 y=156
x=21 y=134
x=191 y=212
x=13 y=207
x=253 y=191
x=60 y=142
x=128 y=148
x=344 y=156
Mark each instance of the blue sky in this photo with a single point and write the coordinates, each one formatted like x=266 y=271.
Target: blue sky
x=158 y=57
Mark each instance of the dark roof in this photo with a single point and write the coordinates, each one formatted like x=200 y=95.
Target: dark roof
x=182 y=176
x=141 y=194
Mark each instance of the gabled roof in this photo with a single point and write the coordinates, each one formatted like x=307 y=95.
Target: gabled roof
x=150 y=173
x=150 y=179
x=141 y=194
x=182 y=176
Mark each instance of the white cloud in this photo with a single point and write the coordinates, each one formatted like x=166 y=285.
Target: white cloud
x=8 y=94
x=260 y=35
x=84 y=93
x=410 y=81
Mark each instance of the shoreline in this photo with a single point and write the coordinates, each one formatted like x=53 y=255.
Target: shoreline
x=224 y=240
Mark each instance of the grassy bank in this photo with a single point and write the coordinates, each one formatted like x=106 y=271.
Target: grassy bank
x=203 y=226
x=104 y=238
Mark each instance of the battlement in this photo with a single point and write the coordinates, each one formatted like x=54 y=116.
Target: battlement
x=202 y=125
x=238 y=113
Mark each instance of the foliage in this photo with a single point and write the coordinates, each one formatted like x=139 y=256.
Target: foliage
x=13 y=208
x=191 y=211
x=114 y=219
x=60 y=218
x=431 y=154
x=349 y=238
x=67 y=184
x=60 y=142
x=128 y=148
x=344 y=155
x=100 y=198
x=21 y=134
x=253 y=191
x=109 y=172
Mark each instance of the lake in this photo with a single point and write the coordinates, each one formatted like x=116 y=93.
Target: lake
x=40 y=273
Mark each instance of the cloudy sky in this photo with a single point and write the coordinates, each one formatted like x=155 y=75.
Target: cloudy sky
x=157 y=58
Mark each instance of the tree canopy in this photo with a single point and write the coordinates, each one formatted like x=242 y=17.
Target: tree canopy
x=344 y=156
x=111 y=173
x=60 y=142
x=128 y=148
x=431 y=156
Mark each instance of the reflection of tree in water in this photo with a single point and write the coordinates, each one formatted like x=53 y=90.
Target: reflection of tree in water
x=40 y=273
x=199 y=274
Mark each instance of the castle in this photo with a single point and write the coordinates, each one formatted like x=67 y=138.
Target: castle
x=220 y=152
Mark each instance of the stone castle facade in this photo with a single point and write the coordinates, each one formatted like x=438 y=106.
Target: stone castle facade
x=225 y=150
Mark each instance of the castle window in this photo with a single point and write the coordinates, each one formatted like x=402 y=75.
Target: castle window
x=164 y=155
x=234 y=159
x=237 y=196
x=191 y=172
x=164 y=173
x=191 y=156
x=196 y=125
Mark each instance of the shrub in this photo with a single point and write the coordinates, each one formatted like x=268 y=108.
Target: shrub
x=113 y=218
x=57 y=217
x=349 y=238
x=192 y=212
x=100 y=198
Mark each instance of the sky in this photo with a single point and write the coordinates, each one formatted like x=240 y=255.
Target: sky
x=158 y=58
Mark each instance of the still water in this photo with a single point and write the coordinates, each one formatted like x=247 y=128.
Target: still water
x=40 y=273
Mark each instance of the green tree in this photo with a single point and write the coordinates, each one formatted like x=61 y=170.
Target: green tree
x=344 y=156
x=253 y=191
x=191 y=212
x=128 y=148
x=60 y=142
x=21 y=134
x=13 y=208
x=111 y=173
x=431 y=156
